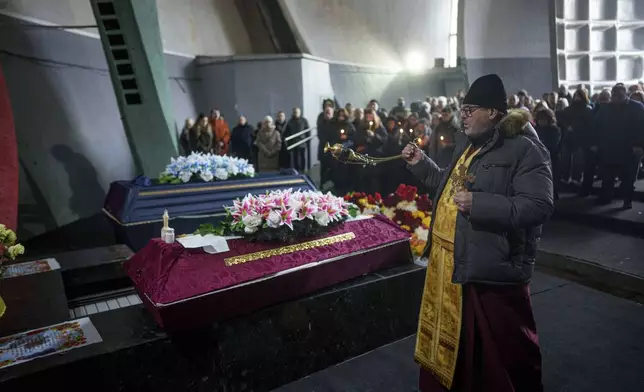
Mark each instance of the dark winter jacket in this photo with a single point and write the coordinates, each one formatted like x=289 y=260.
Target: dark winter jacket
x=497 y=241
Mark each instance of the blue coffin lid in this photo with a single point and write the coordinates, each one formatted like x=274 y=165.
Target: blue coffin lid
x=132 y=204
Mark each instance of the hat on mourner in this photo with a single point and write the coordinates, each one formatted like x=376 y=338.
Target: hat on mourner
x=487 y=92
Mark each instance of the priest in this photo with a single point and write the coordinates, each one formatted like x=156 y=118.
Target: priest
x=476 y=329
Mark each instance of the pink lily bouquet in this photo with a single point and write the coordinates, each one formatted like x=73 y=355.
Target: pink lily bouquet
x=282 y=215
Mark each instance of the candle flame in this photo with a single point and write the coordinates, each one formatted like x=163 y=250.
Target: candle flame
x=401 y=131
x=370 y=123
x=342 y=131
x=419 y=140
x=442 y=137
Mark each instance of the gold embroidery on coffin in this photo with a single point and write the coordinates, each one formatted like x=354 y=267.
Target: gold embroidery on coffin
x=289 y=249
x=439 y=326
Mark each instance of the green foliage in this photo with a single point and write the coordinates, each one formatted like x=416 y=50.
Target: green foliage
x=354 y=211
x=209 y=228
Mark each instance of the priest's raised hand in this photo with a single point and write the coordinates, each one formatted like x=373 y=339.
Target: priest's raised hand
x=412 y=154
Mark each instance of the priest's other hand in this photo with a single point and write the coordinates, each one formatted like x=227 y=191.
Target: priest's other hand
x=463 y=201
x=412 y=154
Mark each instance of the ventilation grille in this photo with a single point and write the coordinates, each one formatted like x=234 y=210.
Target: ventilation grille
x=108 y=19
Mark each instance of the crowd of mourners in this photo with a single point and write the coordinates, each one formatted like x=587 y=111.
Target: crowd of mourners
x=590 y=137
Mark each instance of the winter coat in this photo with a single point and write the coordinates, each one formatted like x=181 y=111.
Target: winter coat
x=496 y=243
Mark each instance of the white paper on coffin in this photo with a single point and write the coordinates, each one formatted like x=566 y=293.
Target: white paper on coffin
x=210 y=243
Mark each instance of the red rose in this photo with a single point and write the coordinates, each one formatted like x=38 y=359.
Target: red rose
x=408 y=219
x=410 y=194
x=378 y=197
x=370 y=200
x=423 y=203
x=406 y=192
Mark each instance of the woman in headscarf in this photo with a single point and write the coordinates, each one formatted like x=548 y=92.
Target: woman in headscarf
x=269 y=143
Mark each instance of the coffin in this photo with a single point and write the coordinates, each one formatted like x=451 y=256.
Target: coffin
x=135 y=212
x=187 y=288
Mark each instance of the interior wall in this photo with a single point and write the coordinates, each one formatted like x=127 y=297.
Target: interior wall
x=71 y=141
x=510 y=38
x=191 y=27
x=252 y=87
x=364 y=32
x=358 y=84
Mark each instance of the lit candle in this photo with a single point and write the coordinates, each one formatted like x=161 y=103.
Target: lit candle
x=418 y=140
x=166 y=218
x=411 y=130
x=342 y=131
x=401 y=131
x=370 y=123
x=442 y=137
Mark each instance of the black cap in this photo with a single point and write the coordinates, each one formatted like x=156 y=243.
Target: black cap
x=487 y=92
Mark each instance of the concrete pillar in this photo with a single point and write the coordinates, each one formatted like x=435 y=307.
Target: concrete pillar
x=131 y=39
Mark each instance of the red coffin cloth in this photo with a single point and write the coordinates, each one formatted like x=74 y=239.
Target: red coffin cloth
x=8 y=160
x=166 y=273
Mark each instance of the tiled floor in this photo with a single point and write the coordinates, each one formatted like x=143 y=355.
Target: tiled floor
x=590 y=342
x=104 y=306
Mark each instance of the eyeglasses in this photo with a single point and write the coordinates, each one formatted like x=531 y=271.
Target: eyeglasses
x=467 y=111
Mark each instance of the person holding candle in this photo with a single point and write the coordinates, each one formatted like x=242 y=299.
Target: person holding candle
x=370 y=138
x=444 y=136
x=394 y=173
x=342 y=132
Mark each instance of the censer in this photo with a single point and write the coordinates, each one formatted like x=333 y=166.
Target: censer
x=350 y=157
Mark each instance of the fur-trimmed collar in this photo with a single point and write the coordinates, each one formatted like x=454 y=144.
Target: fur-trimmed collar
x=514 y=123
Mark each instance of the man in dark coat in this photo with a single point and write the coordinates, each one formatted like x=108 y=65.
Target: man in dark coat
x=620 y=131
x=280 y=126
x=295 y=125
x=476 y=324
x=241 y=140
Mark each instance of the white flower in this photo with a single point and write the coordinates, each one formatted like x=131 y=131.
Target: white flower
x=274 y=219
x=422 y=233
x=185 y=176
x=322 y=218
x=407 y=206
x=250 y=230
x=233 y=169
x=206 y=176
x=221 y=174
x=252 y=222
x=295 y=204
